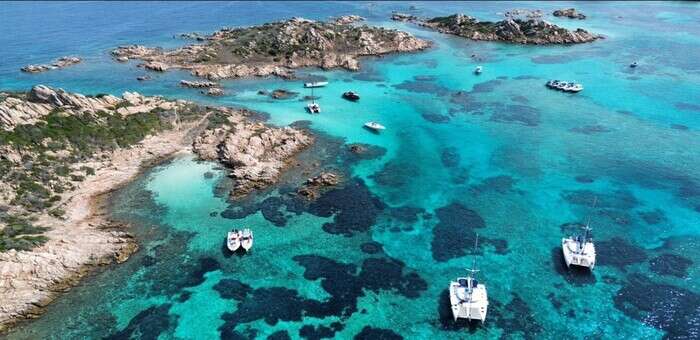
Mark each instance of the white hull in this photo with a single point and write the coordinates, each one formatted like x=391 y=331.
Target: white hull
x=375 y=126
x=247 y=239
x=316 y=84
x=574 y=256
x=233 y=240
x=466 y=306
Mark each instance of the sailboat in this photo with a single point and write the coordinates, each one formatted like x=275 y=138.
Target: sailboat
x=579 y=250
x=468 y=297
x=313 y=107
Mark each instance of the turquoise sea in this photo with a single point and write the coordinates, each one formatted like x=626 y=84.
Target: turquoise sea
x=498 y=155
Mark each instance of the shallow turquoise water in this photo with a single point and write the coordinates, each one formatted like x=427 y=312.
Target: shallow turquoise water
x=496 y=154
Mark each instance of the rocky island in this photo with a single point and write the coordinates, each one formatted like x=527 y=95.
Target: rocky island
x=61 y=153
x=276 y=49
x=570 y=13
x=59 y=63
x=531 y=30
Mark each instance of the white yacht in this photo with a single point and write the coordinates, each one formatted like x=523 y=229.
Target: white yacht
x=478 y=70
x=468 y=297
x=247 y=239
x=316 y=84
x=313 y=107
x=572 y=87
x=233 y=240
x=579 y=250
x=375 y=126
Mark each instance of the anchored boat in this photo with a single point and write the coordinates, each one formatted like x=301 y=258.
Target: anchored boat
x=468 y=297
x=233 y=240
x=374 y=126
x=351 y=96
x=579 y=250
x=478 y=70
x=316 y=84
x=247 y=239
x=313 y=107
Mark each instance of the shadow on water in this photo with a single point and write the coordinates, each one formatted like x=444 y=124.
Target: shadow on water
x=577 y=276
x=227 y=253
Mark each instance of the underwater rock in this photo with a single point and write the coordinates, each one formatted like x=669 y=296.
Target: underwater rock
x=617 y=252
x=454 y=234
x=313 y=186
x=372 y=333
x=671 y=265
x=147 y=324
x=283 y=94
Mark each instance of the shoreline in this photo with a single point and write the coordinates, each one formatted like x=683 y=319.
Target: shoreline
x=87 y=237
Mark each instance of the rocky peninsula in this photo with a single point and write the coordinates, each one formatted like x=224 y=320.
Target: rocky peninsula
x=59 y=63
x=276 y=49
x=530 y=30
x=62 y=153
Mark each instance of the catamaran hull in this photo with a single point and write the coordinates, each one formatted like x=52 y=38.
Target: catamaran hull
x=465 y=310
x=571 y=258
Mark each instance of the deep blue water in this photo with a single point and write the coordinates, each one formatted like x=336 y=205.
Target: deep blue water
x=496 y=154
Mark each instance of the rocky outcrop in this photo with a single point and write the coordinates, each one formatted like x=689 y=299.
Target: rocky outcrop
x=255 y=153
x=315 y=185
x=214 y=92
x=522 y=31
x=283 y=94
x=348 y=19
x=16 y=109
x=276 y=49
x=396 y=16
x=570 y=13
x=59 y=63
x=198 y=84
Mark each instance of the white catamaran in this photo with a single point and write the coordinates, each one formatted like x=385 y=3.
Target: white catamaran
x=579 y=250
x=468 y=297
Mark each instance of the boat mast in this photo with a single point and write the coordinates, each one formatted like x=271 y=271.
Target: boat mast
x=587 y=228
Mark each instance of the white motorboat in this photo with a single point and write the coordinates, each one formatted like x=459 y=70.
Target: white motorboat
x=478 y=70
x=313 y=108
x=316 y=84
x=579 y=250
x=375 y=126
x=572 y=87
x=468 y=297
x=233 y=240
x=634 y=64
x=247 y=239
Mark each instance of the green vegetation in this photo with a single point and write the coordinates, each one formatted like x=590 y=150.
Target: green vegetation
x=20 y=234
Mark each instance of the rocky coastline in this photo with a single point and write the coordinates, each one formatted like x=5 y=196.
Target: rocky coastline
x=528 y=30
x=55 y=181
x=276 y=49
x=58 y=64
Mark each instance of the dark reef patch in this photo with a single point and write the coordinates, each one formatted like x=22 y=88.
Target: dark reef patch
x=359 y=152
x=233 y=289
x=516 y=317
x=585 y=179
x=406 y=214
x=679 y=127
x=353 y=207
x=687 y=107
x=623 y=200
x=590 y=129
x=652 y=217
x=525 y=77
x=574 y=275
x=519 y=99
x=671 y=309
x=396 y=173
x=551 y=59
x=450 y=157
x=147 y=324
x=501 y=184
x=487 y=86
x=270 y=211
x=371 y=247
x=423 y=85
x=316 y=333
x=619 y=253
x=371 y=333
x=520 y=114
x=279 y=335
x=454 y=234
x=670 y=265
x=435 y=118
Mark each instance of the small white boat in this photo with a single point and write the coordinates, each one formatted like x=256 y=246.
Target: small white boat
x=579 y=250
x=573 y=87
x=313 y=108
x=316 y=84
x=468 y=297
x=233 y=240
x=375 y=126
x=634 y=64
x=478 y=70
x=247 y=239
